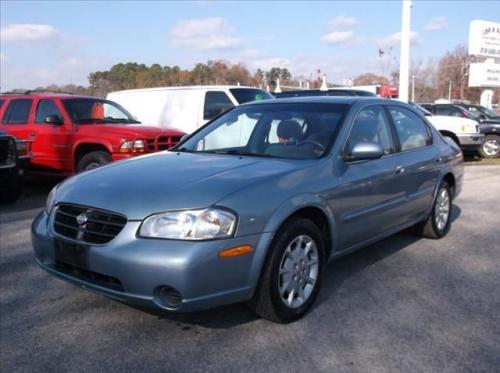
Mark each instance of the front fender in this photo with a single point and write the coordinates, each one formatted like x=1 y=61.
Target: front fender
x=93 y=141
x=278 y=217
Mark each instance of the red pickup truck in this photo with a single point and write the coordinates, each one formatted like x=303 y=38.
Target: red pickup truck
x=70 y=133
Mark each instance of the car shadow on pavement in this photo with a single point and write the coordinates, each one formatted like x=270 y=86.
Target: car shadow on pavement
x=336 y=273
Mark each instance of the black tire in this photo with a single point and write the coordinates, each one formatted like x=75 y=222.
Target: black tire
x=267 y=302
x=93 y=160
x=489 y=152
x=430 y=228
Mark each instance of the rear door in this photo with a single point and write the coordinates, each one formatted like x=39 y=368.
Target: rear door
x=417 y=161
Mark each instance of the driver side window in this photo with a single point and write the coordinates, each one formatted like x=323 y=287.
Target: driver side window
x=371 y=125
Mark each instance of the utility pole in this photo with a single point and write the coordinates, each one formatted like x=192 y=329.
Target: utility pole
x=404 y=60
x=413 y=88
x=449 y=91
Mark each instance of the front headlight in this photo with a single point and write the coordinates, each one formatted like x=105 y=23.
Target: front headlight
x=190 y=225
x=49 y=204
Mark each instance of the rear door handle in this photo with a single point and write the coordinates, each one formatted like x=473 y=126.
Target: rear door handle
x=439 y=159
x=399 y=170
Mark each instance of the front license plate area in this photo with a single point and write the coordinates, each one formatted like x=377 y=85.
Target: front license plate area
x=76 y=255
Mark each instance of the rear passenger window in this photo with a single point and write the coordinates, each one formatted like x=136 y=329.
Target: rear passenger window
x=412 y=131
x=18 y=111
x=46 y=108
x=371 y=125
x=216 y=103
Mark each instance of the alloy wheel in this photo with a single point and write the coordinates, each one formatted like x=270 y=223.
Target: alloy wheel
x=442 y=208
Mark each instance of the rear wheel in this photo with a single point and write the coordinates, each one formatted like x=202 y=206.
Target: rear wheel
x=490 y=147
x=292 y=275
x=93 y=160
x=438 y=223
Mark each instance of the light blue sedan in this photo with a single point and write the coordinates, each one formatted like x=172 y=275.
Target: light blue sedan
x=252 y=206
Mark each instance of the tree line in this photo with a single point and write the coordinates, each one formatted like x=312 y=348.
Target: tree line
x=432 y=79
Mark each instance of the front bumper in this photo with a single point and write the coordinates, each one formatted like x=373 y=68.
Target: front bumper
x=143 y=265
x=470 y=140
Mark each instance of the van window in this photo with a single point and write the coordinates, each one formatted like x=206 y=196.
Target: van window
x=18 y=111
x=44 y=109
x=216 y=102
x=243 y=95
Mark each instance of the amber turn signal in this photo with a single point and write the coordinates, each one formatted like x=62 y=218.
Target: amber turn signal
x=235 y=251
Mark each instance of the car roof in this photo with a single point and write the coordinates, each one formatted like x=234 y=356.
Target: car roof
x=45 y=95
x=321 y=100
x=187 y=87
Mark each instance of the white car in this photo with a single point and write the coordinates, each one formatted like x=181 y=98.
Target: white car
x=464 y=132
x=184 y=108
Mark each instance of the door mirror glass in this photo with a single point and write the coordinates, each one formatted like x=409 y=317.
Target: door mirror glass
x=365 y=150
x=54 y=119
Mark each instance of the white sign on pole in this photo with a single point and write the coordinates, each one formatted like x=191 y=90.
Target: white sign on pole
x=484 y=38
x=485 y=74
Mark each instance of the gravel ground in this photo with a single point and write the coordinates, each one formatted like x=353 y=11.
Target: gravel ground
x=403 y=304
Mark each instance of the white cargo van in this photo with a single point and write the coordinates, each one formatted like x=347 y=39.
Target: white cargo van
x=184 y=108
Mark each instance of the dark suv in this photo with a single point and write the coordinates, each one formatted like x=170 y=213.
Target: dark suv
x=489 y=125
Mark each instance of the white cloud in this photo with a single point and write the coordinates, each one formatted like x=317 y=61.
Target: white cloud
x=436 y=24
x=395 y=39
x=27 y=32
x=268 y=63
x=251 y=53
x=341 y=21
x=204 y=34
x=338 y=37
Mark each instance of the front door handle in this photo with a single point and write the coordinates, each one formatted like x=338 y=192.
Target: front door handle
x=32 y=135
x=399 y=170
x=439 y=159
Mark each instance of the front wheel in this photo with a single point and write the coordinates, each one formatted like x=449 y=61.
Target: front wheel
x=93 y=160
x=438 y=223
x=292 y=275
x=490 y=147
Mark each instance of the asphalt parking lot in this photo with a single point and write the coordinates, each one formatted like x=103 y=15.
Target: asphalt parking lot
x=404 y=304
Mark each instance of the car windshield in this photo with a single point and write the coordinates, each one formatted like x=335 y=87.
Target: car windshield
x=96 y=111
x=244 y=95
x=295 y=131
x=488 y=112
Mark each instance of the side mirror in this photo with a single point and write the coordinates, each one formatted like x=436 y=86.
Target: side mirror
x=365 y=150
x=56 y=120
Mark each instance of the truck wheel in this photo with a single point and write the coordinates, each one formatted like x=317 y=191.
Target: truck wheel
x=490 y=147
x=438 y=223
x=291 y=277
x=93 y=160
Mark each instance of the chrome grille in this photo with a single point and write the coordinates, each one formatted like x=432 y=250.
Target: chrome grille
x=86 y=224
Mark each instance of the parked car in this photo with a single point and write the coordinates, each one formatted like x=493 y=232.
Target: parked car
x=464 y=132
x=184 y=108
x=14 y=156
x=70 y=133
x=483 y=112
x=489 y=127
x=301 y=182
x=318 y=92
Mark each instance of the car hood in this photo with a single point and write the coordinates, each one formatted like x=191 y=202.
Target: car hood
x=168 y=181
x=126 y=131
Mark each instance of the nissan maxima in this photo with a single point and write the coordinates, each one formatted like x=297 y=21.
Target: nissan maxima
x=252 y=206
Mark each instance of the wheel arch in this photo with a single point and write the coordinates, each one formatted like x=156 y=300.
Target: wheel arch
x=85 y=147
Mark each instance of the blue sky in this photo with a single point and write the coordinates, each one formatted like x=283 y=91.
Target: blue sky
x=60 y=42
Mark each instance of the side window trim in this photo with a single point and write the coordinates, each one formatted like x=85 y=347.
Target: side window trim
x=430 y=137
x=345 y=151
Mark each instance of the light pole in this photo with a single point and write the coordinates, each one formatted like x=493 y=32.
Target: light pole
x=404 y=64
x=449 y=91
x=413 y=88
